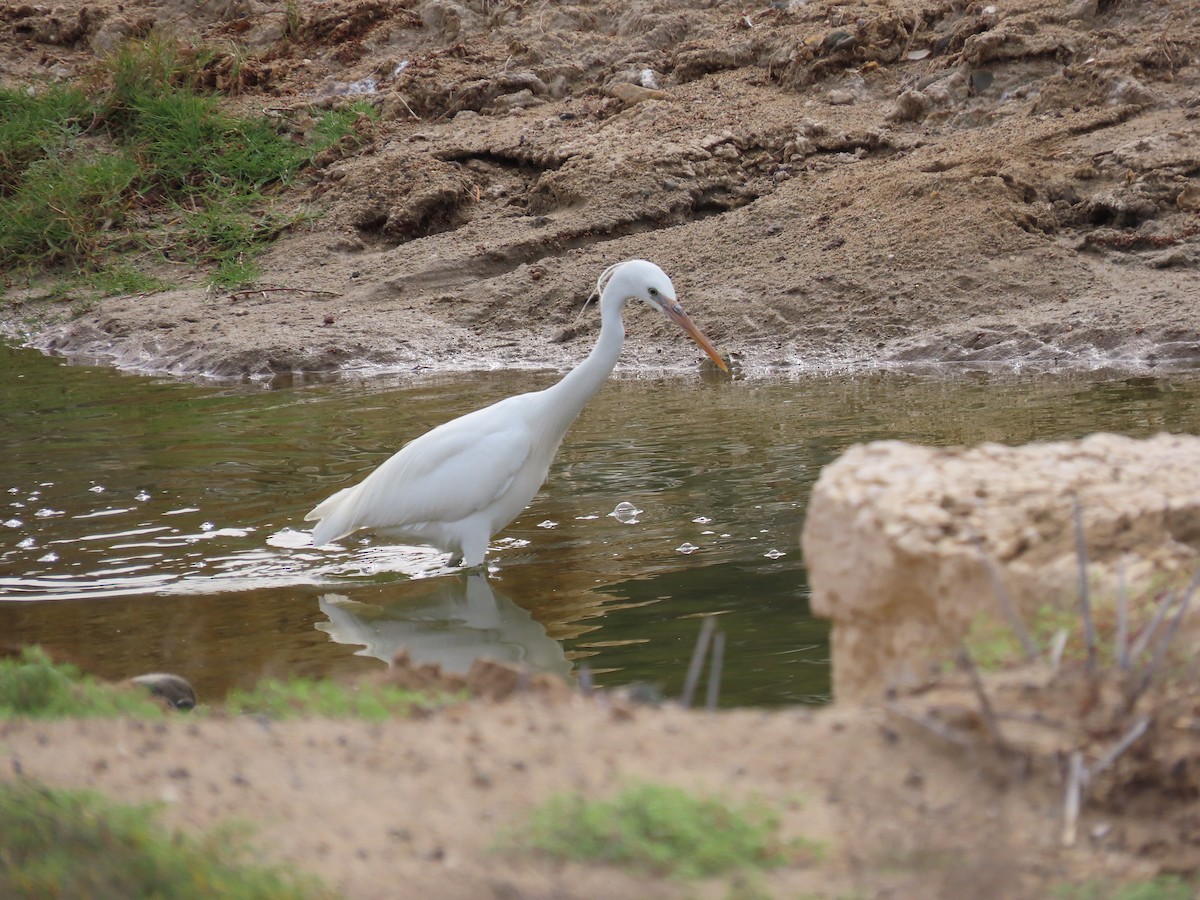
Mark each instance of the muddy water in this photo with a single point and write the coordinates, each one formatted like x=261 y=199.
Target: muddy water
x=151 y=524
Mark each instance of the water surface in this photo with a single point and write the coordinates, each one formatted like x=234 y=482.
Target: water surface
x=155 y=524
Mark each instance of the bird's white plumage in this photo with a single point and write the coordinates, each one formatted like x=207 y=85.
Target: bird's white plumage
x=457 y=485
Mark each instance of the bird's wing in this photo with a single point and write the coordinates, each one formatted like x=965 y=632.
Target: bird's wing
x=457 y=469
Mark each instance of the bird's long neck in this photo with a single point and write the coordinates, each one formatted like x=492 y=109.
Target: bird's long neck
x=578 y=386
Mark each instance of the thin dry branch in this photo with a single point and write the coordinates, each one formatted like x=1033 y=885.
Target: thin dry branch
x=1121 y=639
x=933 y=726
x=714 y=671
x=1085 y=601
x=1126 y=741
x=697 y=663
x=1076 y=774
x=1160 y=653
x=277 y=290
x=1057 y=645
x=963 y=657
x=1147 y=635
x=1006 y=603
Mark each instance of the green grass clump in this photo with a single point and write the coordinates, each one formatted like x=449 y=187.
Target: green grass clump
x=58 y=843
x=994 y=645
x=34 y=686
x=304 y=697
x=663 y=830
x=1165 y=887
x=145 y=162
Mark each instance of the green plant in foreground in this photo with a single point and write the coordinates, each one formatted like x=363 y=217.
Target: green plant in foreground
x=993 y=643
x=33 y=685
x=1165 y=887
x=304 y=697
x=58 y=843
x=661 y=829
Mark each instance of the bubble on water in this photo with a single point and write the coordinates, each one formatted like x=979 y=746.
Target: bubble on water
x=141 y=496
x=17 y=505
x=207 y=526
x=368 y=568
x=726 y=534
x=48 y=513
x=702 y=520
x=626 y=513
x=774 y=554
x=586 y=518
x=549 y=523
x=27 y=543
x=685 y=547
x=14 y=490
x=49 y=557
x=13 y=523
x=97 y=489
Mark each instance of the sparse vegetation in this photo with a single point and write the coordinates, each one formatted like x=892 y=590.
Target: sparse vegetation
x=1166 y=887
x=994 y=645
x=141 y=161
x=33 y=685
x=59 y=843
x=305 y=697
x=664 y=830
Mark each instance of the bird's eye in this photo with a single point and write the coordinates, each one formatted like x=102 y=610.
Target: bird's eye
x=653 y=292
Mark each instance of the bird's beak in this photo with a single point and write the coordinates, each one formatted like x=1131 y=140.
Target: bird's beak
x=676 y=314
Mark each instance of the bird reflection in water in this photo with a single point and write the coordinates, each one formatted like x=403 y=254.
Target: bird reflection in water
x=448 y=621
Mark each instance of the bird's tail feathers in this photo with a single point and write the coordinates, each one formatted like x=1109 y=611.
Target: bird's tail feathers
x=334 y=513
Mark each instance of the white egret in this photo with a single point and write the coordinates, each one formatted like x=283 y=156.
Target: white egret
x=457 y=485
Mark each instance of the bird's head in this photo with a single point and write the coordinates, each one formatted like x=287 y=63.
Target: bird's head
x=638 y=279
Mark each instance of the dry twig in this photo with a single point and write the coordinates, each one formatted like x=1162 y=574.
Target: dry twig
x=714 y=671
x=1010 y=609
x=1121 y=638
x=276 y=290
x=697 y=663
x=963 y=657
x=1124 y=743
x=1057 y=645
x=1160 y=652
x=933 y=726
x=1143 y=641
x=1085 y=602
x=1076 y=775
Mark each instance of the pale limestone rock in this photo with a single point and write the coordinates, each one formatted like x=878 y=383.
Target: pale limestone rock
x=894 y=533
x=632 y=94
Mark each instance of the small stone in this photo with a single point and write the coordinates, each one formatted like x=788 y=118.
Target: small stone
x=1189 y=198
x=981 y=81
x=632 y=94
x=836 y=41
x=909 y=106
